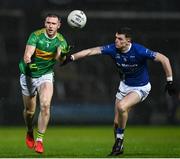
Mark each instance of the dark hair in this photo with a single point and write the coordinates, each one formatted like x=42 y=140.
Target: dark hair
x=53 y=15
x=126 y=31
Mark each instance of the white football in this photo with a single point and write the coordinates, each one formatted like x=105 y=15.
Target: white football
x=77 y=19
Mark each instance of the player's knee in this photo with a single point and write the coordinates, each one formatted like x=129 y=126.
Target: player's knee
x=121 y=108
x=44 y=104
x=29 y=112
x=45 y=109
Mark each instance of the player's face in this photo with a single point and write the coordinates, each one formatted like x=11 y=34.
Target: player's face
x=52 y=24
x=121 y=42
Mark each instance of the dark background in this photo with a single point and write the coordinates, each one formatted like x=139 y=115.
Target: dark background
x=85 y=90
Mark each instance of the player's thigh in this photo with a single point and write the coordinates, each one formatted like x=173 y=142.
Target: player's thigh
x=28 y=85
x=45 y=93
x=29 y=102
x=127 y=102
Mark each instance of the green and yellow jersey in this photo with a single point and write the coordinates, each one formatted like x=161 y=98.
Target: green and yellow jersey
x=43 y=59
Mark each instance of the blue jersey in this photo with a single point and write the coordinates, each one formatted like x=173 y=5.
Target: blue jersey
x=133 y=64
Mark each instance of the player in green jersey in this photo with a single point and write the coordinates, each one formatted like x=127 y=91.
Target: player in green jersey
x=43 y=49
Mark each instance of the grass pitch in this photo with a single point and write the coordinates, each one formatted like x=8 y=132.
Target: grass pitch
x=93 y=142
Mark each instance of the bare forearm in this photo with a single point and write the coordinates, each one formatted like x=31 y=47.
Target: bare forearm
x=29 y=51
x=165 y=64
x=167 y=67
x=87 y=52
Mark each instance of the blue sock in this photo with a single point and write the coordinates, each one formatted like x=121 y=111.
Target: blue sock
x=120 y=133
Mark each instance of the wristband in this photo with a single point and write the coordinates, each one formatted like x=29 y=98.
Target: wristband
x=169 y=78
x=72 y=57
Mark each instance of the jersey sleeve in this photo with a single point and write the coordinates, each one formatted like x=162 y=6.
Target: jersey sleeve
x=32 y=40
x=107 y=49
x=147 y=53
x=65 y=48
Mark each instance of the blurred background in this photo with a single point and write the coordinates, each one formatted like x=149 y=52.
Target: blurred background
x=85 y=90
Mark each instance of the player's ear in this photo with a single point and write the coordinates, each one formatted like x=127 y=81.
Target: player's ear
x=45 y=22
x=128 y=39
x=59 y=24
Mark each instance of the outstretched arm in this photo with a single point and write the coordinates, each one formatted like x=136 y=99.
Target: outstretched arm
x=81 y=54
x=86 y=52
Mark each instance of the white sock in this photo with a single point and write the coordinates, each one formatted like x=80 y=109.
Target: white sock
x=39 y=139
x=120 y=136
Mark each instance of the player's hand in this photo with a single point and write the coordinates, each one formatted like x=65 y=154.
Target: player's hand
x=68 y=59
x=27 y=59
x=170 y=88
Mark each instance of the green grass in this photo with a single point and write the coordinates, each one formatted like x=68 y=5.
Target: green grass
x=94 y=142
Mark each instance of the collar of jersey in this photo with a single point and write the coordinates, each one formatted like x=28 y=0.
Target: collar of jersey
x=48 y=36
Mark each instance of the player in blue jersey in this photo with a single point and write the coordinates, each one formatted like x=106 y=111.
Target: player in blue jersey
x=131 y=58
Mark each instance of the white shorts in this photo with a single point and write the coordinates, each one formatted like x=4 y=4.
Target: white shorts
x=30 y=85
x=124 y=89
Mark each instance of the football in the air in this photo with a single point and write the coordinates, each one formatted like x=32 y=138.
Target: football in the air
x=77 y=19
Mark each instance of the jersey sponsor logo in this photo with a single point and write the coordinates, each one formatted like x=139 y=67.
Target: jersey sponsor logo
x=129 y=65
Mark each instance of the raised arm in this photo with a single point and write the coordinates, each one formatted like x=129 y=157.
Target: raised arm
x=58 y=56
